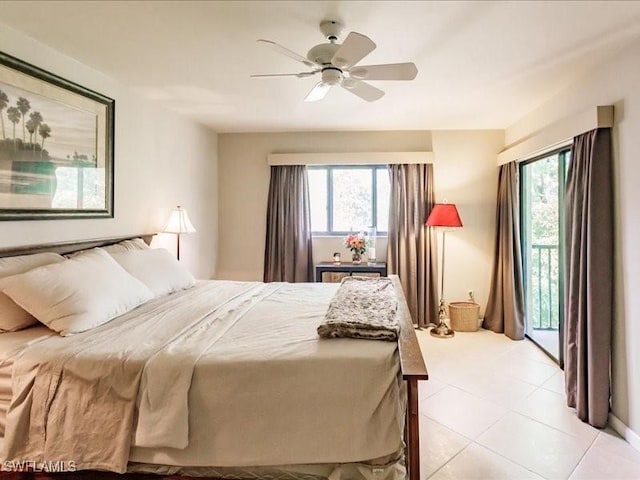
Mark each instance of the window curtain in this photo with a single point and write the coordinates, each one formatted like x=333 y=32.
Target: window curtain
x=589 y=276
x=288 y=256
x=411 y=252
x=505 y=307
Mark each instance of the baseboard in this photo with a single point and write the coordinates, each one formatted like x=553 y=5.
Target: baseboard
x=625 y=432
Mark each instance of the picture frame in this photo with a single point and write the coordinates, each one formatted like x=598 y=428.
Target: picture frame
x=56 y=146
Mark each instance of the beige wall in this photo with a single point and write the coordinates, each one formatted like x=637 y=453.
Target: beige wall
x=465 y=173
x=161 y=160
x=616 y=83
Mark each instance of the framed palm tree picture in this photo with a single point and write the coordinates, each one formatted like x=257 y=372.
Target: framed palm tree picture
x=56 y=146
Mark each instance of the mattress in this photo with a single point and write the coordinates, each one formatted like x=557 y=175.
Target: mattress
x=11 y=345
x=262 y=388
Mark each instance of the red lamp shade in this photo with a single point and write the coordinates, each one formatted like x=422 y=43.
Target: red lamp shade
x=444 y=215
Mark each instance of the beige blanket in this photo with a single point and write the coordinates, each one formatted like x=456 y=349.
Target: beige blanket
x=226 y=374
x=362 y=308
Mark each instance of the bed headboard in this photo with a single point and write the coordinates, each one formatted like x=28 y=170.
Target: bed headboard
x=64 y=248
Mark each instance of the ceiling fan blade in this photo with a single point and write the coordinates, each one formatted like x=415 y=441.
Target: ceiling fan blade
x=299 y=75
x=363 y=90
x=288 y=53
x=318 y=92
x=354 y=48
x=390 y=71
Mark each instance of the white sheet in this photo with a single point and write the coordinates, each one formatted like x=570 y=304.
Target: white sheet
x=270 y=392
x=11 y=344
x=263 y=388
x=163 y=407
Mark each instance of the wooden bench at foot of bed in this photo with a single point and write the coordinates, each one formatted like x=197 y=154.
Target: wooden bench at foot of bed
x=413 y=370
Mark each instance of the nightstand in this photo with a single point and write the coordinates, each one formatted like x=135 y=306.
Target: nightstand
x=329 y=272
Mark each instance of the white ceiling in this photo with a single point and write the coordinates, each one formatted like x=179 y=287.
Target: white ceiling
x=480 y=64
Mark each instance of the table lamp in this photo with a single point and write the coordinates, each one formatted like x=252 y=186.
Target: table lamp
x=179 y=223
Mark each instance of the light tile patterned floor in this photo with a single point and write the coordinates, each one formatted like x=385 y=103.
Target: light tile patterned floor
x=495 y=409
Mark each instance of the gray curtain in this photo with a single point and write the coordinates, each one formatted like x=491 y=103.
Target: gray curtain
x=411 y=252
x=287 y=256
x=505 y=307
x=589 y=276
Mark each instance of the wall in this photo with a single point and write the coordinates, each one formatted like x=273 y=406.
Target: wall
x=161 y=160
x=465 y=173
x=615 y=83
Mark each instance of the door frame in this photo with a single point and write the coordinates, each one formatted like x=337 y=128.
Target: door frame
x=564 y=154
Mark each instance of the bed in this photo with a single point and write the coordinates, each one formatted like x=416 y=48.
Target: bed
x=265 y=396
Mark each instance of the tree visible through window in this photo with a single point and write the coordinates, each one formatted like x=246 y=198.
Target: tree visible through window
x=348 y=198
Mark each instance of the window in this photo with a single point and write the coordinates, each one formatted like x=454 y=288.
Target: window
x=348 y=198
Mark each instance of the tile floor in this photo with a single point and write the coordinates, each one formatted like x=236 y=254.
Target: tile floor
x=495 y=409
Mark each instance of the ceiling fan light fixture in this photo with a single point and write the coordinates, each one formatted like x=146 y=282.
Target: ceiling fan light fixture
x=318 y=92
x=331 y=76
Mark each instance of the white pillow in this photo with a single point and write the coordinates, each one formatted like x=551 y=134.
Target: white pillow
x=124 y=246
x=157 y=269
x=78 y=294
x=13 y=317
x=127 y=245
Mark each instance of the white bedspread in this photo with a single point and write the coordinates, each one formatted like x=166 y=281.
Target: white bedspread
x=225 y=374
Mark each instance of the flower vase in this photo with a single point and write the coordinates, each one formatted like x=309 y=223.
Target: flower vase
x=356 y=258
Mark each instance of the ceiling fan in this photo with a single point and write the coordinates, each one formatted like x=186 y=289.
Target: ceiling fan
x=337 y=65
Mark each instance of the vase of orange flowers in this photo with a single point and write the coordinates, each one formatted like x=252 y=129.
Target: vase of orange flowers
x=357 y=243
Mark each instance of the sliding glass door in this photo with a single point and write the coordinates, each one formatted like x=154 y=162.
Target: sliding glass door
x=542 y=186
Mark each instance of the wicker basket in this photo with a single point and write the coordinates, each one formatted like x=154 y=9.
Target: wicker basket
x=464 y=316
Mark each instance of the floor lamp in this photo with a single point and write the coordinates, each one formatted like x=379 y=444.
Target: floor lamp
x=443 y=215
x=179 y=223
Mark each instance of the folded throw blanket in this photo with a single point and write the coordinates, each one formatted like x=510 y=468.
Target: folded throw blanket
x=362 y=308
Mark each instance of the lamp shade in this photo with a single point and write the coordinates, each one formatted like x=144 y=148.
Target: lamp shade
x=444 y=215
x=179 y=222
